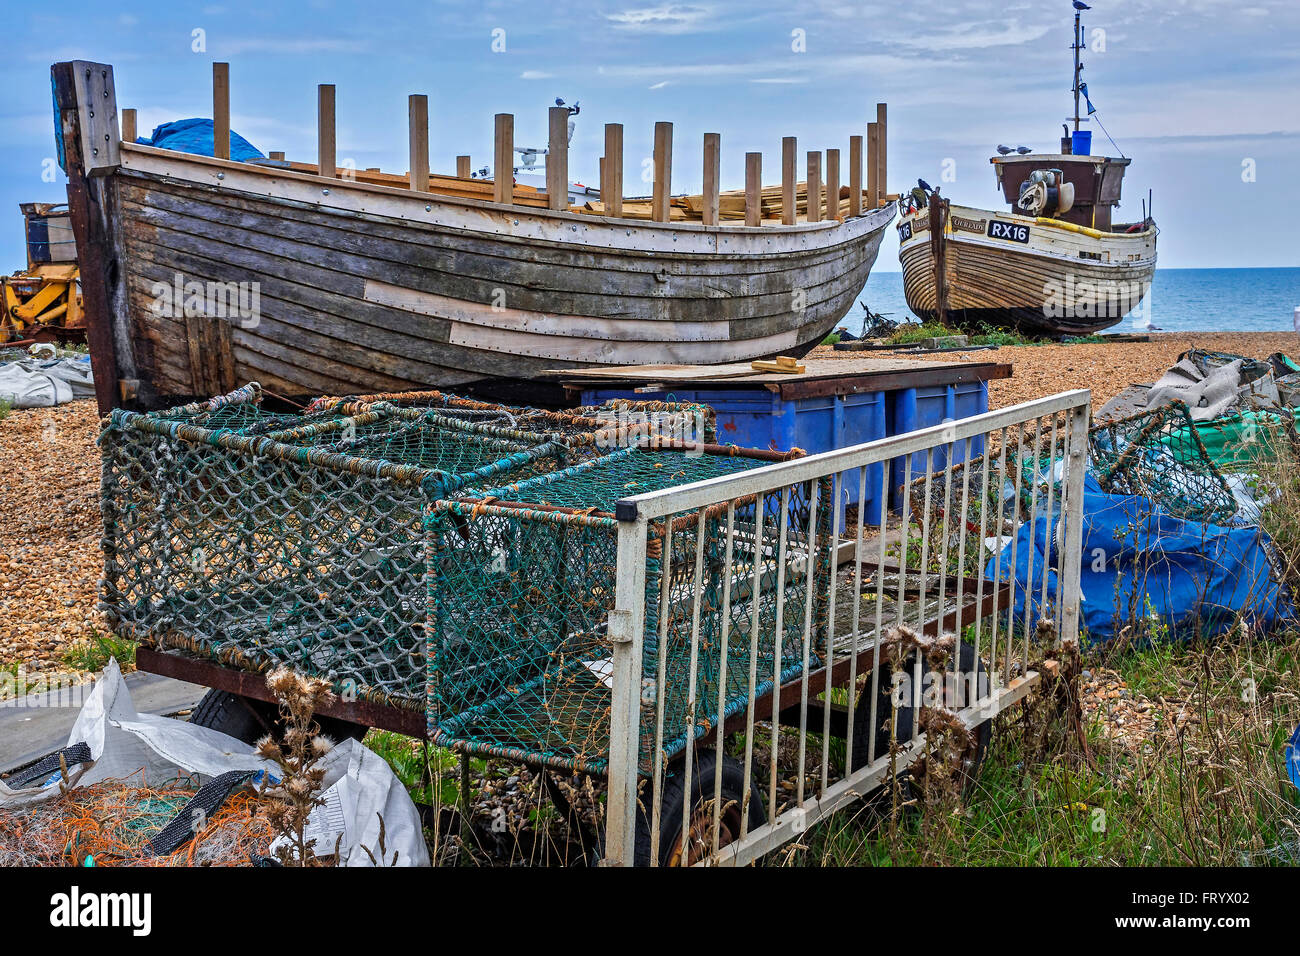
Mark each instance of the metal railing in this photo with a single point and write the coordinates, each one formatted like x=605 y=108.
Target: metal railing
x=800 y=624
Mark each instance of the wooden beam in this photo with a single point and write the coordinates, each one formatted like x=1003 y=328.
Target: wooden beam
x=789 y=154
x=128 y=126
x=417 y=109
x=503 y=159
x=276 y=155
x=753 y=189
x=462 y=168
x=882 y=176
x=814 y=186
x=613 y=199
x=833 y=184
x=557 y=159
x=663 y=171
x=712 y=170
x=221 y=110
x=855 y=175
x=873 y=165
x=325 y=150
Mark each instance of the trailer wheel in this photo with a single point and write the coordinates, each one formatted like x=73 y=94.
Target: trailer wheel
x=969 y=668
x=699 y=841
x=249 y=720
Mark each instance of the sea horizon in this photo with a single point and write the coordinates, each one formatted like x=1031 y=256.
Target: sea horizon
x=1182 y=299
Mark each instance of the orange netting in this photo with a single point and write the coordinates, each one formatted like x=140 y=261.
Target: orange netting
x=109 y=824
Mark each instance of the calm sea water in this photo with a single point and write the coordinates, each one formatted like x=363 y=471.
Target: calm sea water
x=1191 y=300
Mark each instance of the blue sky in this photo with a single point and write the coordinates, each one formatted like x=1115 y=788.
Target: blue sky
x=1191 y=89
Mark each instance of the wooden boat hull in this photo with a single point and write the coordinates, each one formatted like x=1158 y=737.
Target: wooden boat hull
x=363 y=288
x=1064 y=280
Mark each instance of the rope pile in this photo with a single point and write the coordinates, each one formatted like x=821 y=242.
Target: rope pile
x=111 y=824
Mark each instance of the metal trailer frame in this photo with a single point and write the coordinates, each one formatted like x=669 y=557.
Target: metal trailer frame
x=794 y=702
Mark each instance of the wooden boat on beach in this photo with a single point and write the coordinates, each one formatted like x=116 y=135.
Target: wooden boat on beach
x=1055 y=264
x=200 y=273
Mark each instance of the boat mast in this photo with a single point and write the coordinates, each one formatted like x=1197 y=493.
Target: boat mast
x=1078 y=66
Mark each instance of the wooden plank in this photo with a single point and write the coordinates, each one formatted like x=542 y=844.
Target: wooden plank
x=833 y=184
x=463 y=170
x=503 y=159
x=417 y=111
x=557 y=159
x=789 y=154
x=753 y=189
x=613 y=199
x=663 y=171
x=882 y=174
x=712 y=170
x=855 y=175
x=128 y=126
x=220 y=110
x=873 y=165
x=277 y=155
x=88 y=196
x=815 y=186
x=326 y=162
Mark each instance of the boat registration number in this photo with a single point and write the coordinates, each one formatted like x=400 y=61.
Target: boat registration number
x=904 y=231
x=1012 y=231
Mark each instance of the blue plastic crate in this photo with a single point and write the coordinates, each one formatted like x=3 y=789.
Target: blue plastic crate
x=759 y=418
x=911 y=409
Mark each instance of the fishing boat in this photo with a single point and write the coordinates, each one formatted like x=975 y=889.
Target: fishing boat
x=1056 y=263
x=200 y=273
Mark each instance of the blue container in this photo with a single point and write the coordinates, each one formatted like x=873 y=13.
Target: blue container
x=910 y=409
x=1081 y=142
x=758 y=418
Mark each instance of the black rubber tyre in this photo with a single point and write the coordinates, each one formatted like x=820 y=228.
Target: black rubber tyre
x=907 y=715
x=702 y=797
x=249 y=720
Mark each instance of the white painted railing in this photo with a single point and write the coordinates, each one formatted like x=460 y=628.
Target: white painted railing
x=725 y=726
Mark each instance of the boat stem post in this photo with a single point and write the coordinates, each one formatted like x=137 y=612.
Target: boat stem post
x=855 y=176
x=557 y=159
x=833 y=184
x=503 y=159
x=462 y=168
x=128 y=126
x=220 y=111
x=326 y=164
x=712 y=170
x=417 y=110
x=873 y=165
x=882 y=177
x=611 y=187
x=814 y=186
x=789 y=154
x=663 y=171
x=753 y=189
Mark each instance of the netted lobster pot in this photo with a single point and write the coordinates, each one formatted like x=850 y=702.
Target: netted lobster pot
x=1160 y=455
x=253 y=552
x=618 y=423
x=522 y=580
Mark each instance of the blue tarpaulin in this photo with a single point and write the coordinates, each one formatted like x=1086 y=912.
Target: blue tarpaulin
x=1139 y=561
x=1292 y=755
x=195 y=136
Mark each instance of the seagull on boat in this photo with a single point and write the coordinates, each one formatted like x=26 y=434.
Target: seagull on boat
x=1023 y=149
x=1005 y=149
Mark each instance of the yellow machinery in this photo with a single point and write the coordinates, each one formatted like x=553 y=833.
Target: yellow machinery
x=43 y=302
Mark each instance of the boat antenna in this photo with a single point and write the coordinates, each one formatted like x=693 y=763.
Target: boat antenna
x=1079 y=7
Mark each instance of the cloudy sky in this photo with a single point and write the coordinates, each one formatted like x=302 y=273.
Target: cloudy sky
x=1201 y=93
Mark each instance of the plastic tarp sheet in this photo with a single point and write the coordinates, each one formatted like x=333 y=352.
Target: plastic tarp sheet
x=1139 y=561
x=37 y=383
x=1237 y=441
x=195 y=136
x=150 y=751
